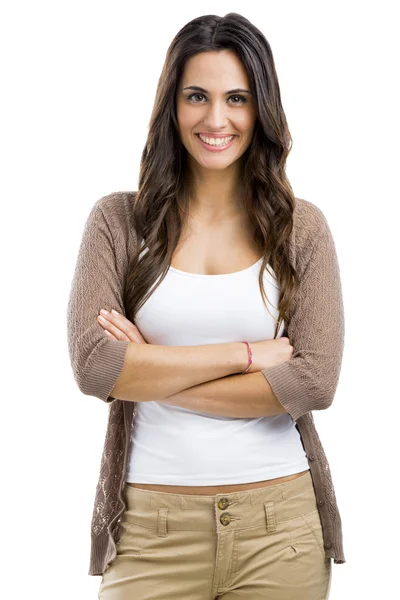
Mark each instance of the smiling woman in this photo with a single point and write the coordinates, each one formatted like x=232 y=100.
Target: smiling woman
x=215 y=270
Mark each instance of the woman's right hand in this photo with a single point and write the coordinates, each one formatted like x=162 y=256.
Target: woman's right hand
x=269 y=353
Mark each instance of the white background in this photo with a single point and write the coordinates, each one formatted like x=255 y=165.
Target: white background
x=78 y=81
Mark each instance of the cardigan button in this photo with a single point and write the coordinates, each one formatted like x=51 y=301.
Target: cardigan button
x=312 y=457
x=328 y=545
x=321 y=502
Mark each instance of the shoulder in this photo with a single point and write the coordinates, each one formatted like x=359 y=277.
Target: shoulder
x=310 y=229
x=309 y=222
x=115 y=211
x=116 y=207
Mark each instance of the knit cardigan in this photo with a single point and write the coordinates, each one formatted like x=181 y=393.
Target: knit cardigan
x=305 y=383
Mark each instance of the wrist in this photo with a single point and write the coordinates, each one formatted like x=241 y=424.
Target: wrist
x=241 y=356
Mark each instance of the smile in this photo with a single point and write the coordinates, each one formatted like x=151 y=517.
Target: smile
x=216 y=148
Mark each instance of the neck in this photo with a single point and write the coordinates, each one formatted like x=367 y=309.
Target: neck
x=215 y=194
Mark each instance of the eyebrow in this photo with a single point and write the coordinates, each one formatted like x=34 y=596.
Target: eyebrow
x=200 y=89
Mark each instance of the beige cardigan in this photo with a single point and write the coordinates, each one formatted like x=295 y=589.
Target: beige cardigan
x=305 y=383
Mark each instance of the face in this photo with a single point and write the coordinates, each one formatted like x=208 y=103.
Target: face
x=213 y=110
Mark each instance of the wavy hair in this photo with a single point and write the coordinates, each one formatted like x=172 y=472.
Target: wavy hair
x=268 y=197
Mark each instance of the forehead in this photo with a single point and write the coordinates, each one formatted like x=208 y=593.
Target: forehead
x=213 y=70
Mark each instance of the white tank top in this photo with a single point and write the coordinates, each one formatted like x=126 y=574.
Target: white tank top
x=171 y=445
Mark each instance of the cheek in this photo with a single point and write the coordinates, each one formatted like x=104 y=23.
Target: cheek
x=248 y=123
x=186 y=119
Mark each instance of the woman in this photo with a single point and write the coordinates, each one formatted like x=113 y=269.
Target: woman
x=211 y=484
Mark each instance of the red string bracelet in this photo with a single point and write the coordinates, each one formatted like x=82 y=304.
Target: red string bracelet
x=250 y=357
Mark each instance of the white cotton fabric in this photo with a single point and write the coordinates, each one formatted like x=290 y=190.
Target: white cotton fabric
x=171 y=445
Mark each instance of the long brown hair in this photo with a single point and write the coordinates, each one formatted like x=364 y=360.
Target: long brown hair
x=268 y=197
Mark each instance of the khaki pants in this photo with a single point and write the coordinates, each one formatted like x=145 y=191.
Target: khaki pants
x=259 y=544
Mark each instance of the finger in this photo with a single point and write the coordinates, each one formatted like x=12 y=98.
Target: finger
x=110 y=335
x=140 y=337
x=113 y=329
x=124 y=325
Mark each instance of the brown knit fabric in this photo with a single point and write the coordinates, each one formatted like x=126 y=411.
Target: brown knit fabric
x=305 y=383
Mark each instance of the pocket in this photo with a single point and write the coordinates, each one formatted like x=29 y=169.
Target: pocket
x=312 y=521
x=132 y=537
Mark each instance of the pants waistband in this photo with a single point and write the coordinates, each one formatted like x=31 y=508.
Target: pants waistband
x=285 y=501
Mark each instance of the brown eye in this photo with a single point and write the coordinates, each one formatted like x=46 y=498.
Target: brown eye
x=241 y=98
x=191 y=96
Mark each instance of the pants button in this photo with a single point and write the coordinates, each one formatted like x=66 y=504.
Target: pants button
x=225 y=518
x=223 y=503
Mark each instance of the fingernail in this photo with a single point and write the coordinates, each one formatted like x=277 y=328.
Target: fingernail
x=104 y=312
x=114 y=312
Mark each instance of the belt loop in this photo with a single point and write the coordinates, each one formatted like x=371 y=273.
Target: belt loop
x=270 y=516
x=162 y=522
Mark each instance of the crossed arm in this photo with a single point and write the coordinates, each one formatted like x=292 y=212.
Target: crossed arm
x=240 y=396
x=236 y=396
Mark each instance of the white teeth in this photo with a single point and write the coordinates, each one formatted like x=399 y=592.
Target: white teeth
x=216 y=141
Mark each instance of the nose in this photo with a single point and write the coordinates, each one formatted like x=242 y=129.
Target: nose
x=215 y=118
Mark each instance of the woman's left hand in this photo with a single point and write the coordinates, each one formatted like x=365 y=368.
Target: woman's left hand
x=118 y=327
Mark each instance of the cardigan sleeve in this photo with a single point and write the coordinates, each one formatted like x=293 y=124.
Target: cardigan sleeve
x=316 y=329
x=97 y=283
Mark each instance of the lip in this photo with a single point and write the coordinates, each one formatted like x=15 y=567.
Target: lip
x=215 y=148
